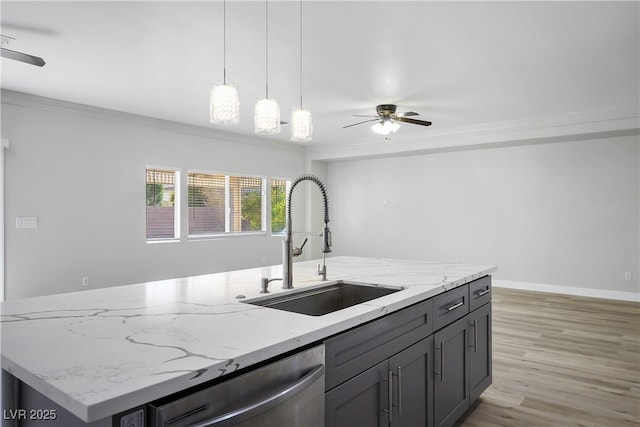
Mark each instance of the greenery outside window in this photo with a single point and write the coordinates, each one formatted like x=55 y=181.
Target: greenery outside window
x=162 y=201
x=279 y=191
x=220 y=204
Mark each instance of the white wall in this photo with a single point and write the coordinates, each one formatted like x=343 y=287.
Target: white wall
x=557 y=213
x=4 y=143
x=81 y=172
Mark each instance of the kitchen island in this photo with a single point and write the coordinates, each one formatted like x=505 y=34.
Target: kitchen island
x=97 y=353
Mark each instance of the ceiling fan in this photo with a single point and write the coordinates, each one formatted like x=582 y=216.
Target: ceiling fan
x=388 y=119
x=19 y=56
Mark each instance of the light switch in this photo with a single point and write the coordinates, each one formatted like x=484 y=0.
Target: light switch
x=27 y=222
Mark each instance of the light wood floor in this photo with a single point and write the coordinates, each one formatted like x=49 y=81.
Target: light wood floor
x=560 y=360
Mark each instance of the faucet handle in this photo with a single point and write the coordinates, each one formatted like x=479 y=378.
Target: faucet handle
x=298 y=251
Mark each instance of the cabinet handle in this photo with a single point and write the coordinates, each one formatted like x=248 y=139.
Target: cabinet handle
x=475 y=335
x=399 y=390
x=441 y=373
x=454 y=306
x=390 y=396
x=482 y=292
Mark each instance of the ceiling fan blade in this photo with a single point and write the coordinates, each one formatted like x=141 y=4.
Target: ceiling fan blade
x=413 y=121
x=359 y=123
x=362 y=115
x=22 y=57
x=407 y=114
x=283 y=123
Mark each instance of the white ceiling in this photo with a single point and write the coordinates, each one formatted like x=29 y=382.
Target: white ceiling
x=459 y=64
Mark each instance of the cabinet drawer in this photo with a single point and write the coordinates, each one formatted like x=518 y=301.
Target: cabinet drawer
x=450 y=306
x=354 y=351
x=479 y=292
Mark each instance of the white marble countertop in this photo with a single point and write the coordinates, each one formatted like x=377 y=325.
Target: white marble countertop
x=99 y=352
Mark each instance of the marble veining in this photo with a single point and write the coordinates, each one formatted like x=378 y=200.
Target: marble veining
x=102 y=351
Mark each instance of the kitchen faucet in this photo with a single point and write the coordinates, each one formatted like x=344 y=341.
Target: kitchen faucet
x=288 y=251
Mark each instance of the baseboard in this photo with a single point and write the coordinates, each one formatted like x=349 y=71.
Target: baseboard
x=568 y=290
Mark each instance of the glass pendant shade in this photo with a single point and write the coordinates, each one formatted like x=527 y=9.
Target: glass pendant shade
x=386 y=127
x=224 y=106
x=267 y=116
x=301 y=125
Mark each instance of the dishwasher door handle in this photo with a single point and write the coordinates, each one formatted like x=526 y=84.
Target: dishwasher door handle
x=252 y=409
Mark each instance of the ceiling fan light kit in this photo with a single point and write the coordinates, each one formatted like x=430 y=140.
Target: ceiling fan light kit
x=385 y=127
x=224 y=102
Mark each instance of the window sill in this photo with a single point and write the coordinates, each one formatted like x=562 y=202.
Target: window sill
x=205 y=237
x=160 y=241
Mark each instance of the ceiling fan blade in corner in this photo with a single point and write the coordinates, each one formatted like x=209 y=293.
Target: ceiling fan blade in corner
x=407 y=114
x=283 y=123
x=413 y=121
x=359 y=123
x=22 y=57
x=363 y=115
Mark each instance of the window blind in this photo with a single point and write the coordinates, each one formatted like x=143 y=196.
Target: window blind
x=206 y=203
x=224 y=204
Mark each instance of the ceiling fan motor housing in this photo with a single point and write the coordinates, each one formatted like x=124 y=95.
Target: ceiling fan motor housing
x=386 y=109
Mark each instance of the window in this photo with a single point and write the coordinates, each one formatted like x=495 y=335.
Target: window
x=163 y=216
x=225 y=204
x=206 y=204
x=279 y=191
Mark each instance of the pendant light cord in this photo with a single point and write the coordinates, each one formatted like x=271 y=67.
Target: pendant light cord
x=266 y=59
x=300 y=54
x=224 y=42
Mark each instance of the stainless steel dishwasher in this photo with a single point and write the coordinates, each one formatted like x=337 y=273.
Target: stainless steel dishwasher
x=287 y=392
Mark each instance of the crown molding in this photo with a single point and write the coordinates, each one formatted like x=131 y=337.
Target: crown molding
x=574 y=126
x=558 y=128
x=22 y=99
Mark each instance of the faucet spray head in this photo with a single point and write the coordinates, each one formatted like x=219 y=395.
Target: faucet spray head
x=326 y=239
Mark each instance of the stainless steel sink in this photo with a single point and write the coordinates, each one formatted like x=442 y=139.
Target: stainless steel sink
x=325 y=299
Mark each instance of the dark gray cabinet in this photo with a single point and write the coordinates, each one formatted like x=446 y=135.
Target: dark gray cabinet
x=451 y=373
x=462 y=357
x=412 y=400
x=361 y=401
x=480 y=365
x=396 y=392
x=421 y=366
x=380 y=373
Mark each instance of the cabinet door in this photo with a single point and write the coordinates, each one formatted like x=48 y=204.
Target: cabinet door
x=413 y=385
x=451 y=373
x=479 y=351
x=361 y=401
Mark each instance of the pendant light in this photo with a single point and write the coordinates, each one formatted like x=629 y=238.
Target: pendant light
x=301 y=123
x=267 y=110
x=224 y=104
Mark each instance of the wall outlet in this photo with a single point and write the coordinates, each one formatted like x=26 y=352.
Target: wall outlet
x=27 y=222
x=85 y=282
x=627 y=276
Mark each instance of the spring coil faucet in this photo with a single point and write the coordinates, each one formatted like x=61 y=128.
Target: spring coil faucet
x=288 y=251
